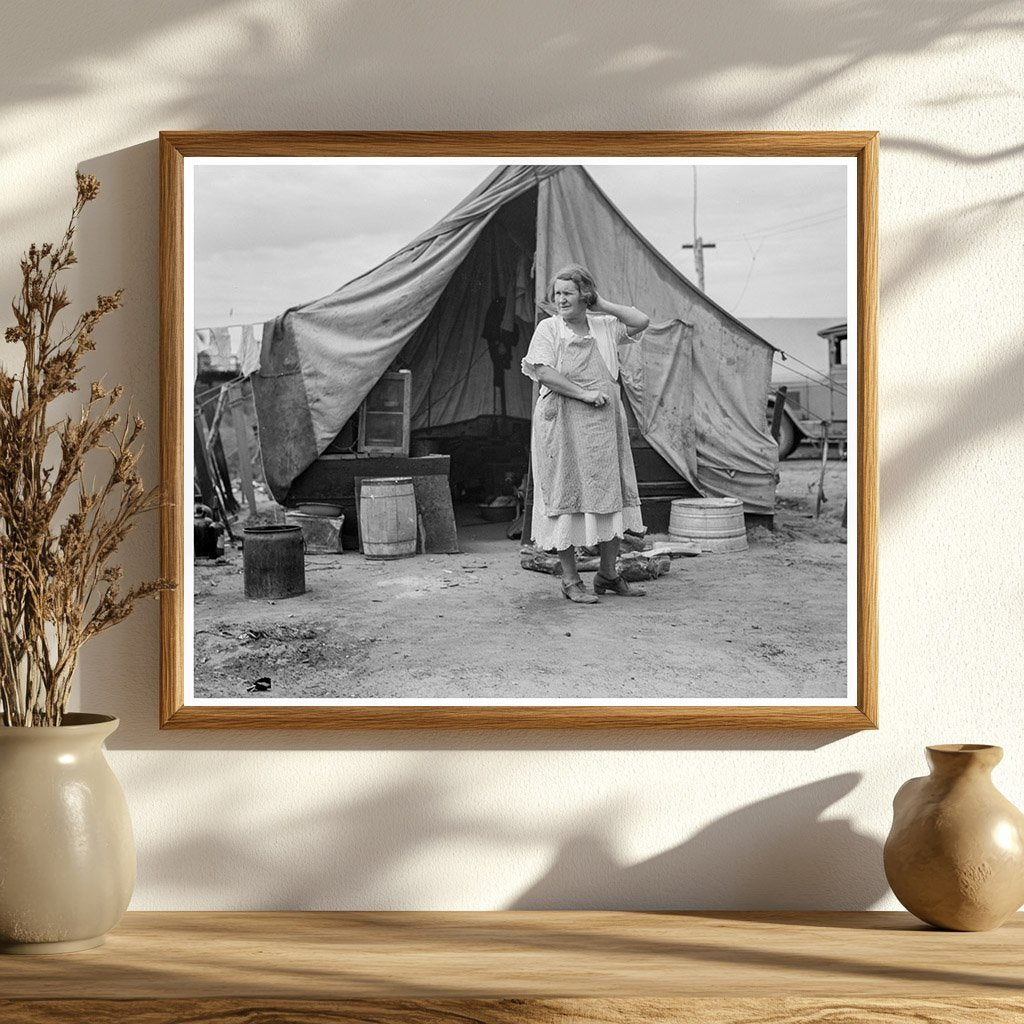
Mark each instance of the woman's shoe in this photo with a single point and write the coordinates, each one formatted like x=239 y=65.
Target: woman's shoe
x=619 y=586
x=577 y=593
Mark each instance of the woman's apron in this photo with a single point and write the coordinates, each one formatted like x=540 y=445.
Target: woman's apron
x=583 y=459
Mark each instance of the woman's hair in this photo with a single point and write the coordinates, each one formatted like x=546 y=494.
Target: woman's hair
x=580 y=277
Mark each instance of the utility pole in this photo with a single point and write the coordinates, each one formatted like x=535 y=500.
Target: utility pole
x=698 y=245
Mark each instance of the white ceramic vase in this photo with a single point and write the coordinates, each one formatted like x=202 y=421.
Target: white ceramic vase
x=67 y=854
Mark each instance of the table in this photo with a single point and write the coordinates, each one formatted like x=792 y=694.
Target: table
x=524 y=966
x=331 y=478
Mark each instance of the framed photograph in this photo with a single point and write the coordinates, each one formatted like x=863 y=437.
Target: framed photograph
x=519 y=430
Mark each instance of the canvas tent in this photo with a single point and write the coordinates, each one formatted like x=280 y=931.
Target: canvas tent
x=457 y=307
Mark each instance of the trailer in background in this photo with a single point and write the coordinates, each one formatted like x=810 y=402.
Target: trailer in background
x=815 y=408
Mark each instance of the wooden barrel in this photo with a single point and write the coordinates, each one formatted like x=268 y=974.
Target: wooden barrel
x=714 y=523
x=274 y=562
x=387 y=517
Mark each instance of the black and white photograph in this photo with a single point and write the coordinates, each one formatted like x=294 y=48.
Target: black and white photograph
x=544 y=432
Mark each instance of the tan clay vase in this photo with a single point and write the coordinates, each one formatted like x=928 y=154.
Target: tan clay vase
x=67 y=855
x=955 y=855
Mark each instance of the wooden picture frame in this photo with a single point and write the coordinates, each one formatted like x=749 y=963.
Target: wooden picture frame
x=858 y=710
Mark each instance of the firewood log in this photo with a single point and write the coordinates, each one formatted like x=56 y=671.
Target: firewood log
x=633 y=566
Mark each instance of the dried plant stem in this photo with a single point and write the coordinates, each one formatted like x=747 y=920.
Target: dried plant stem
x=58 y=588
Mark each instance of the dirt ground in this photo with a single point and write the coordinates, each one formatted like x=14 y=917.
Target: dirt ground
x=766 y=622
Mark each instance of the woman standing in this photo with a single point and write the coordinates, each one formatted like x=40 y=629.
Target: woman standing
x=585 y=489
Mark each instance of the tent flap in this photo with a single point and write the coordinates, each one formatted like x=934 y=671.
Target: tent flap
x=282 y=409
x=656 y=375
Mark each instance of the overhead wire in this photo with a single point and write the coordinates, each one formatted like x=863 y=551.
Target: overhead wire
x=812 y=221
x=246 y=323
x=839 y=390
x=800 y=227
x=815 y=376
x=785 y=224
x=750 y=270
x=818 y=378
x=208 y=397
x=792 y=402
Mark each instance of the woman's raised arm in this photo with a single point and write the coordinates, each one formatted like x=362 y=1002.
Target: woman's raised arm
x=634 y=319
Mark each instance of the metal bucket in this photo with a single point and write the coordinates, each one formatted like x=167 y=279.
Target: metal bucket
x=274 y=561
x=387 y=517
x=714 y=523
x=322 y=536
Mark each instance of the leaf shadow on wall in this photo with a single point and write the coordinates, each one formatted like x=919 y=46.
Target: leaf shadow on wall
x=955 y=417
x=216 y=64
x=290 y=56
x=937 y=245
x=960 y=157
x=407 y=843
x=365 y=847
x=778 y=853
x=960 y=418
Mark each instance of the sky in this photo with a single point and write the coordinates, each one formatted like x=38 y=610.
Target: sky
x=267 y=237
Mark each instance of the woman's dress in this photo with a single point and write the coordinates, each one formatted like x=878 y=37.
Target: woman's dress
x=584 y=482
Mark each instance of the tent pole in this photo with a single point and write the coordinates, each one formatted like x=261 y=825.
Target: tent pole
x=236 y=403
x=430 y=386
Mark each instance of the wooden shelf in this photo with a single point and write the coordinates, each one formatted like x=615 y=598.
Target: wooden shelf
x=508 y=968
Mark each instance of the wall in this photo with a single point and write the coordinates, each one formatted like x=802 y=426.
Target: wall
x=749 y=820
